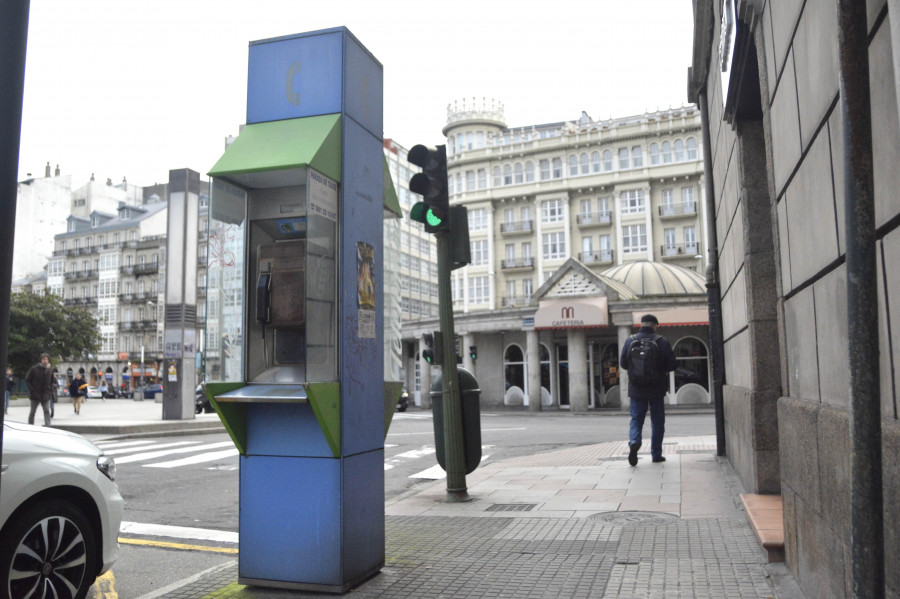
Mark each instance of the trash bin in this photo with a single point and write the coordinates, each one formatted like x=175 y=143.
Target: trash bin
x=470 y=398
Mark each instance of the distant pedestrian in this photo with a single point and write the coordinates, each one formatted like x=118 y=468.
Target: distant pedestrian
x=40 y=388
x=10 y=385
x=649 y=359
x=77 y=389
x=102 y=388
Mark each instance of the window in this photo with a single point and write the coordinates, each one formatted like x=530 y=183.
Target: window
x=603 y=208
x=510 y=251
x=587 y=245
x=551 y=211
x=497 y=178
x=573 y=165
x=527 y=285
x=669 y=235
x=585 y=210
x=632 y=201
x=477 y=219
x=479 y=249
x=666 y=152
x=509 y=216
x=690 y=241
x=529 y=172
x=478 y=290
x=623 y=158
x=526 y=250
x=554 y=245
x=637 y=157
x=507 y=175
x=450 y=188
x=691 y=148
x=595 y=162
x=479 y=139
x=482 y=178
x=668 y=206
x=607 y=161
x=470 y=180
x=526 y=214
x=634 y=239
x=585 y=165
x=557 y=168
x=470 y=140
x=518 y=175
x=687 y=200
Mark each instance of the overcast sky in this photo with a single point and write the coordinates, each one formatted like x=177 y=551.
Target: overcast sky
x=133 y=88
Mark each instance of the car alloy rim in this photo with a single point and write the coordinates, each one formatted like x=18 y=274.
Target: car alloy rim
x=49 y=561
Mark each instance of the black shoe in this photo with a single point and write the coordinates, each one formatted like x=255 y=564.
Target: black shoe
x=632 y=454
x=660 y=459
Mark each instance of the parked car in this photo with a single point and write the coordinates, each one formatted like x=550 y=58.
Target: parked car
x=60 y=511
x=403 y=402
x=150 y=391
x=93 y=392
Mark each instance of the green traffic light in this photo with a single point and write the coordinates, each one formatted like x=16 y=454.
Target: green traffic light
x=433 y=219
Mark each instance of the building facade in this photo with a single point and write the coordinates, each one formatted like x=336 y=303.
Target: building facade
x=607 y=194
x=779 y=165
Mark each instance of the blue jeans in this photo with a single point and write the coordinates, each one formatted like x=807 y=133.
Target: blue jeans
x=657 y=423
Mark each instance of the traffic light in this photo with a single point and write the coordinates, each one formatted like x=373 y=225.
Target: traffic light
x=432 y=352
x=434 y=210
x=473 y=352
x=460 y=250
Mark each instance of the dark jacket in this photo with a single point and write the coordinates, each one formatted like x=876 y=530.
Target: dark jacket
x=40 y=382
x=10 y=382
x=74 y=390
x=665 y=363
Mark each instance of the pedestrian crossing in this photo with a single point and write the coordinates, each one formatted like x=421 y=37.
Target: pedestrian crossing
x=163 y=453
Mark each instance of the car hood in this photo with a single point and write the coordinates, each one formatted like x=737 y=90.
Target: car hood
x=24 y=437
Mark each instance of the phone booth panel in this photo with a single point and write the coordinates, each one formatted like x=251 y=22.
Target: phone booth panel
x=294 y=313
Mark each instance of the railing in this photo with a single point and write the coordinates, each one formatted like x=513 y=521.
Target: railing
x=146 y=268
x=679 y=209
x=687 y=250
x=598 y=257
x=80 y=274
x=514 y=301
x=509 y=263
x=522 y=226
x=594 y=218
x=127 y=269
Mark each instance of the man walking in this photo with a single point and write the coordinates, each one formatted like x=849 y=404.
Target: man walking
x=40 y=383
x=649 y=359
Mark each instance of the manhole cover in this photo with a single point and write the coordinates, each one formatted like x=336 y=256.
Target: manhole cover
x=511 y=507
x=634 y=518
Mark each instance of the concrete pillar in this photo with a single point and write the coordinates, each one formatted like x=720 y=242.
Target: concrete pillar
x=533 y=362
x=578 y=383
x=624 y=334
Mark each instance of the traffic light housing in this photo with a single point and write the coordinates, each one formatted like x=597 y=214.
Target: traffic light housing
x=434 y=209
x=473 y=352
x=433 y=344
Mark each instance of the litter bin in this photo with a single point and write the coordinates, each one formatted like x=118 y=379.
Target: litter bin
x=470 y=398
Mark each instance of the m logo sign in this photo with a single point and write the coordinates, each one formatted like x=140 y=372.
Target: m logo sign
x=567 y=313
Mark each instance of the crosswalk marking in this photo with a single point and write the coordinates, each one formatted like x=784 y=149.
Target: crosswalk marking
x=120 y=451
x=150 y=455
x=196 y=459
x=116 y=445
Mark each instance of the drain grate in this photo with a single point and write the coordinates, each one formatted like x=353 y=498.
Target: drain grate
x=632 y=518
x=511 y=507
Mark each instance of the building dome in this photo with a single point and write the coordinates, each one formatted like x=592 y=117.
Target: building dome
x=656 y=278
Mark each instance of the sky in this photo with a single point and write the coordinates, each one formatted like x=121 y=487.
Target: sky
x=134 y=88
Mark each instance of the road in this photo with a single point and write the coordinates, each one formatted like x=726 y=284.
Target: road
x=191 y=482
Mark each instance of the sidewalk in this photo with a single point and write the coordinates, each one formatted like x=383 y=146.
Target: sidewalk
x=578 y=522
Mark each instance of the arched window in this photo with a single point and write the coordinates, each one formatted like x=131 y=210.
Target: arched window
x=496 y=176
x=691 y=148
x=666 y=152
x=507 y=174
x=514 y=367
x=585 y=166
x=529 y=172
x=595 y=162
x=607 y=161
x=637 y=157
x=573 y=165
x=517 y=169
x=692 y=363
x=654 y=153
x=679 y=150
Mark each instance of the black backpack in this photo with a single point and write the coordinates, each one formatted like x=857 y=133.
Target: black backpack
x=642 y=360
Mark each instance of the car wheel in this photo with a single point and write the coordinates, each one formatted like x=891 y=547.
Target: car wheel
x=48 y=551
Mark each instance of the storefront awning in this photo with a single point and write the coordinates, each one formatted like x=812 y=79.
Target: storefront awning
x=282 y=145
x=572 y=313
x=673 y=317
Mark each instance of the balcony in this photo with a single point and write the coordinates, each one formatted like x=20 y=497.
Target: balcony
x=80 y=274
x=515 y=301
x=598 y=258
x=678 y=210
x=80 y=301
x=526 y=263
x=127 y=270
x=594 y=219
x=687 y=250
x=517 y=228
x=148 y=268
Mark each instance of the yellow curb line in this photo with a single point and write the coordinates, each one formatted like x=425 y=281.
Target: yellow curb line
x=180 y=546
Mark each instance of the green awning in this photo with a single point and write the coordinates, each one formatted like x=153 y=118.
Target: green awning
x=391 y=203
x=282 y=145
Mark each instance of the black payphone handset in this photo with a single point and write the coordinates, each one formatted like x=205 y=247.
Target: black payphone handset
x=263 y=299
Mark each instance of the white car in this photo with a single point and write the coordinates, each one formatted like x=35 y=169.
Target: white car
x=60 y=511
x=93 y=392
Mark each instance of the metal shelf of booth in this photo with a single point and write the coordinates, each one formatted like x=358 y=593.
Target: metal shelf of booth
x=265 y=394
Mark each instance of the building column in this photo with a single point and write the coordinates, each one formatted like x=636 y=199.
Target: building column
x=424 y=378
x=578 y=383
x=624 y=334
x=468 y=340
x=533 y=362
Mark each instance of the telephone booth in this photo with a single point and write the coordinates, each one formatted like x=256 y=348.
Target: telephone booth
x=294 y=353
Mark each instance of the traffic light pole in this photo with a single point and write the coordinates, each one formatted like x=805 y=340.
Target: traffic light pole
x=454 y=449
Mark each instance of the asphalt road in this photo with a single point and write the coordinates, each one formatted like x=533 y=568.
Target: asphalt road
x=192 y=482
